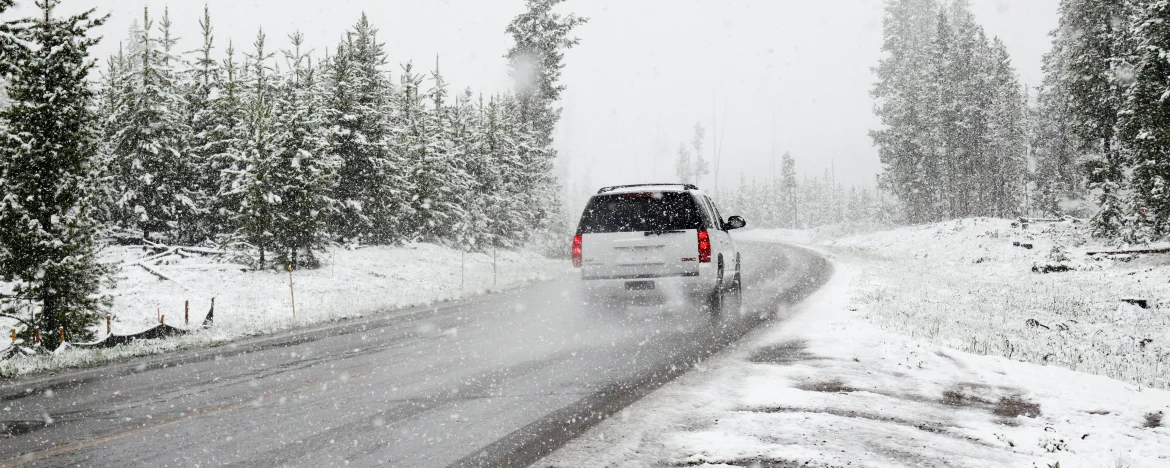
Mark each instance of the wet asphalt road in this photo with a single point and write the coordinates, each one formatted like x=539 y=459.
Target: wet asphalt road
x=500 y=381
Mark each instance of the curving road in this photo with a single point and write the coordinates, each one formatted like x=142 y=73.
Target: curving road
x=500 y=381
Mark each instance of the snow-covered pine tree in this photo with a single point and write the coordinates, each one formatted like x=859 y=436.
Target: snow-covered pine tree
x=186 y=227
x=48 y=226
x=535 y=62
x=904 y=139
x=940 y=168
x=505 y=211
x=255 y=181
x=302 y=173
x=1006 y=152
x=1092 y=57
x=461 y=191
x=684 y=168
x=436 y=173
x=1058 y=175
x=536 y=59
x=481 y=177
x=1145 y=123
x=113 y=87
x=970 y=79
x=153 y=174
x=200 y=83
x=373 y=200
x=10 y=45
x=702 y=167
x=225 y=140
x=789 y=214
x=538 y=193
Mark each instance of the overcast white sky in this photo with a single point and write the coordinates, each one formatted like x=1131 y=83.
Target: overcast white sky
x=793 y=72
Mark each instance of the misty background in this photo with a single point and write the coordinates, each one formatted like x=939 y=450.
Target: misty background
x=779 y=76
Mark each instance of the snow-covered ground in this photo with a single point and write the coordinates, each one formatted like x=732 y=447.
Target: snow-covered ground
x=896 y=362
x=964 y=284
x=351 y=283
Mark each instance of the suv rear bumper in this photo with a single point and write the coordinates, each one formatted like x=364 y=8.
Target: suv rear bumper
x=620 y=286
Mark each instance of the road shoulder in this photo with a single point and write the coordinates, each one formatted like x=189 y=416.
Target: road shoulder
x=828 y=389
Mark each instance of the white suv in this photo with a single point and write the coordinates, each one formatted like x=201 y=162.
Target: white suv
x=656 y=239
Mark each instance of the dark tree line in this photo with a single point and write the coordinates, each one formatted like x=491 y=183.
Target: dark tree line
x=957 y=140
x=277 y=153
x=954 y=118
x=1103 y=117
x=267 y=150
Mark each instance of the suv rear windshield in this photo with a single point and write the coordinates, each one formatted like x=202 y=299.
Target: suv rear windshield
x=635 y=212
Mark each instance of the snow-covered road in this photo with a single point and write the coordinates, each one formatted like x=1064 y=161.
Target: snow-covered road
x=499 y=381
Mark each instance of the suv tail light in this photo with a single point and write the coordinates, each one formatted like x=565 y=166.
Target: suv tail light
x=577 y=251
x=704 y=246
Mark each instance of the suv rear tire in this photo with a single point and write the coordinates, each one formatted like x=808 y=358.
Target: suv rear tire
x=714 y=302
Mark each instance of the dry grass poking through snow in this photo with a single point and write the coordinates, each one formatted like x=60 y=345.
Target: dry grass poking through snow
x=963 y=284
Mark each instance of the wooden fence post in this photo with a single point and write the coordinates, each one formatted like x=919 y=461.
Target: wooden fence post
x=107 y=324
x=62 y=335
x=186 y=312
x=13 y=336
x=37 y=335
x=291 y=293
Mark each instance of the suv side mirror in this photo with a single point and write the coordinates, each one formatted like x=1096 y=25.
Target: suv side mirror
x=735 y=222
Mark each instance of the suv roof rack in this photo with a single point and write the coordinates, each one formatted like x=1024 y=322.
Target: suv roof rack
x=615 y=187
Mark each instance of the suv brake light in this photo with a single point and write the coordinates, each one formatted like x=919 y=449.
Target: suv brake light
x=577 y=251
x=704 y=246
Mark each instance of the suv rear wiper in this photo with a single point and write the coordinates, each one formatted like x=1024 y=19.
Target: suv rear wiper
x=659 y=233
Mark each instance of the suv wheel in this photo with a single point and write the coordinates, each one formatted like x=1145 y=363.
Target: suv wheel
x=715 y=297
x=737 y=281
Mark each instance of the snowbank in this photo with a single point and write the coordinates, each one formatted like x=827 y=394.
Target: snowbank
x=967 y=285
x=829 y=389
x=351 y=283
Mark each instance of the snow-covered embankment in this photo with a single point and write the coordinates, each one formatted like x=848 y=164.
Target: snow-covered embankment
x=351 y=283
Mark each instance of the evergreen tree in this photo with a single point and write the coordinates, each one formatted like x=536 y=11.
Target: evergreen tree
x=256 y=183
x=941 y=168
x=1058 y=173
x=1007 y=145
x=440 y=183
x=501 y=152
x=952 y=143
x=48 y=225
x=200 y=87
x=302 y=174
x=478 y=179
x=154 y=177
x=536 y=60
x=373 y=200
x=683 y=167
x=702 y=167
x=1145 y=123
x=789 y=215
x=904 y=142
x=10 y=44
x=1095 y=68
x=223 y=156
x=113 y=88
x=536 y=188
